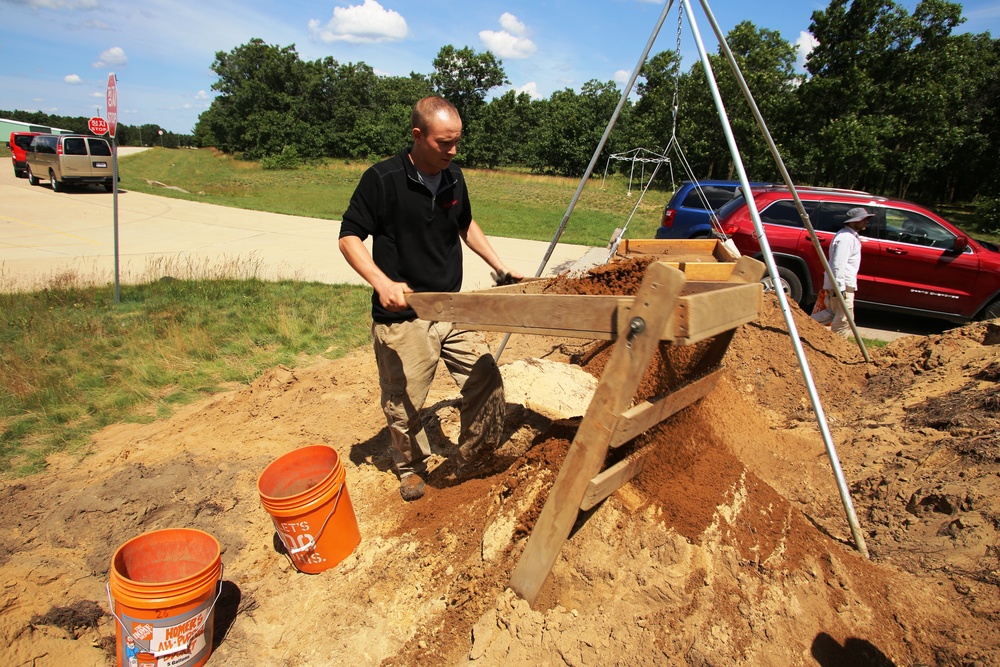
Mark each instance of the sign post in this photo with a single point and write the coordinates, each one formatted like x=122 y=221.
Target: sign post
x=112 y=125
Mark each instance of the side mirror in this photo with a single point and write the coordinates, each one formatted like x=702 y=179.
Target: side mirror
x=961 y=243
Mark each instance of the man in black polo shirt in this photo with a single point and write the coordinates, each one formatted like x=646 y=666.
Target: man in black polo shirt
x=416 y=208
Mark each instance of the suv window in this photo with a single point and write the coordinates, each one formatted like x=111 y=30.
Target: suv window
x=830 y=216
x=98 y=146
x=785 y=213
x=74 y=146
x=716 y=196
x=44 y=144
x=23 y=141
x=909 y=227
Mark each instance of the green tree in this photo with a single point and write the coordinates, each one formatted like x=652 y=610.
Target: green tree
x=464 y=78
x=654 y=112
x=570 y=127
x=501 y=133
x=767 y=64
x=848 y=125
x=256 y=112
x=896 y=103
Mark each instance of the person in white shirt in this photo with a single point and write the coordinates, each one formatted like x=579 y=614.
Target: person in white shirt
x=845 y=261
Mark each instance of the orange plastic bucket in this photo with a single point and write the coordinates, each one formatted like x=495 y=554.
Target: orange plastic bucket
x=305 y=492
x=162 y=590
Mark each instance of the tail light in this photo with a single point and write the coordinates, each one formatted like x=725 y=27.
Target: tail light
x=668 y=218
x=59 y=148
x=730 y=226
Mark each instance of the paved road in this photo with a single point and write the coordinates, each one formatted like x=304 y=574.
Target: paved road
x=45 y=235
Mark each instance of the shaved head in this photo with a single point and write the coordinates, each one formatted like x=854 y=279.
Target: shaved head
x=425 y=110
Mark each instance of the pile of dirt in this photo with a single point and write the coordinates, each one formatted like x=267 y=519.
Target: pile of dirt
x=731 y=547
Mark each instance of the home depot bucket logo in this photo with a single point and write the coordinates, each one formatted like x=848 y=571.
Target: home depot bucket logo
x=181 y=642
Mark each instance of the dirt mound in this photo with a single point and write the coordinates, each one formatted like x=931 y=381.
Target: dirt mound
x=730 y=548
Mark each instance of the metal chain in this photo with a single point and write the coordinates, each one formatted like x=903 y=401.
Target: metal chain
x=677 y=78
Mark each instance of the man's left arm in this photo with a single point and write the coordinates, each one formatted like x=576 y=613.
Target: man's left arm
x=476 y=240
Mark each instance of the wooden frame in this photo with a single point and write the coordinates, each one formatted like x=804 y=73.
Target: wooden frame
x=667 y=307
x=704 y=308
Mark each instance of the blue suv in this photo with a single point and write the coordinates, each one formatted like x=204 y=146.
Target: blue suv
x=686 y=215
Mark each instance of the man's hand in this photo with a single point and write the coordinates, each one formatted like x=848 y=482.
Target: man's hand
x=392 y=296
x=506 y=277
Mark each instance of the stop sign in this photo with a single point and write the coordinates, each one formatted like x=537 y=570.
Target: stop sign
x=98 y=125
x=112 y=95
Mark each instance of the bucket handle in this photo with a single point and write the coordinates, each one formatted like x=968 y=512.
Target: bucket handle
x=161 y=654
x=311 y=543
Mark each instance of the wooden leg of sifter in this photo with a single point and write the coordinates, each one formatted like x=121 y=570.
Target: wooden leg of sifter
x=653 y=307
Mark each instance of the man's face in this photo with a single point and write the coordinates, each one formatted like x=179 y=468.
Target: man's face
x=434 y=148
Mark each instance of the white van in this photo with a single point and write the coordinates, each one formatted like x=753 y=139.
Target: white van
x=69 y=159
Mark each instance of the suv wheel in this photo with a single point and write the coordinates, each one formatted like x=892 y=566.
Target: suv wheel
x=789 y=281
x=32 y=179
x=57 y=185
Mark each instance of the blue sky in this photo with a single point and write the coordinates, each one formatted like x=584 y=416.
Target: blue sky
x=55 y=55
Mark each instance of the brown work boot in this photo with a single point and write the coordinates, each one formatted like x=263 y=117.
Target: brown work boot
x=411 y=486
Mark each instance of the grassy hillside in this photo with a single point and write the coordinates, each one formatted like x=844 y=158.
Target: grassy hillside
x=505 y=204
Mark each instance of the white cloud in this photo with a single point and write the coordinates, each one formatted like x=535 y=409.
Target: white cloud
x=622 y=76
x=98 y=94
x=90 y=24
x=510 y=23
x=361 y=24
x=201 y=95
x=531 y=88
x=112 y=57
x=73 y=79
x=62 y=4
x=804 y=45
x=511 y=42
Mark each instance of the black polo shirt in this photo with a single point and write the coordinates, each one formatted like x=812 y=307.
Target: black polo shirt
x=415 y=235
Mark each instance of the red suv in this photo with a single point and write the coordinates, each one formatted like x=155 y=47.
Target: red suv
x=912 y=260
x=19 y=142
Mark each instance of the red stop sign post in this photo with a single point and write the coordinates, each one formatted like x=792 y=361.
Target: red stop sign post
x=112 y=126
x=112 y=99
x=98 y=125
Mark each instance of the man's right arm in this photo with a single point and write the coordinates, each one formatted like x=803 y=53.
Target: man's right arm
x=392 y=295
x=839 y=252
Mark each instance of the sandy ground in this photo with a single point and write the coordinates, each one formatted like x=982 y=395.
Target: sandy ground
x=731 y=548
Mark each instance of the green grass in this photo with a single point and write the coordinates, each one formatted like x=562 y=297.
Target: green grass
x=72 y=361
x=505 y=204
x=874 y=343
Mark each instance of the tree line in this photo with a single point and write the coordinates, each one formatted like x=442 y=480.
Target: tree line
x=892 y=102
x=146 y=134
